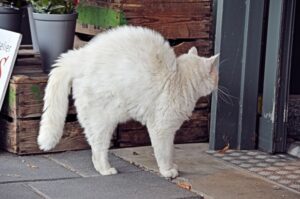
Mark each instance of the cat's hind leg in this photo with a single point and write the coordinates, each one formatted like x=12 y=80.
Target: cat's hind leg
x=98 y=129
x=99 y=137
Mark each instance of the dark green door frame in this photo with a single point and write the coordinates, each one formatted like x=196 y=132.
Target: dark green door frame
x=272 y=126
x=238 y=38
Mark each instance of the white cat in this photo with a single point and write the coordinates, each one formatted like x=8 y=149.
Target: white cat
x=122 y=74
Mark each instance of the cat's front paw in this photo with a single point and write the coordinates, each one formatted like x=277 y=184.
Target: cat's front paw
x=103 y=168
x=110 y=171
x=169 y=173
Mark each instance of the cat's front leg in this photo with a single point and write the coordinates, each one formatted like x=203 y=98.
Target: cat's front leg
x=101 y=163
x=162 y=143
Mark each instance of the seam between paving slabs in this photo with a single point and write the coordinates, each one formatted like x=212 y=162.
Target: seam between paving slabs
x=68 y=167
x=172 y=181
x=72 y=169
x=192 y=197
x=144 y=169
x=39 y=180
x=180 y=179
x=36 y=191
x=47 y=197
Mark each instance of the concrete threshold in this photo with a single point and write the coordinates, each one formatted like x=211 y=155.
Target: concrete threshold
x=208 y=176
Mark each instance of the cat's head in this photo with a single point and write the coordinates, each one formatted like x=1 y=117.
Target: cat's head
x=205 y=68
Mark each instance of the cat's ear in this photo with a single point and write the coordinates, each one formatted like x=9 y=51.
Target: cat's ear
x=193 y=51
x=213 y=60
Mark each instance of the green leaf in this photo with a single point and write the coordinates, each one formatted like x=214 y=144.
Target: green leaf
x=53 y=6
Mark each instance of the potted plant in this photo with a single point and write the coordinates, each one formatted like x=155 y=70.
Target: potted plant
x=53 y=25
x=10 y=14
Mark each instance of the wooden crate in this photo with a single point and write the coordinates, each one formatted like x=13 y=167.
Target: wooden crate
x=20 y=135
x=22 y=108
x=194 y=130
x=189 y=23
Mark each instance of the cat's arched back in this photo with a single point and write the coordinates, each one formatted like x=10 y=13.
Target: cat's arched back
x=126 y=73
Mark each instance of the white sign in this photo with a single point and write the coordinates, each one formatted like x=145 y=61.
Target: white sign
x=9 y=45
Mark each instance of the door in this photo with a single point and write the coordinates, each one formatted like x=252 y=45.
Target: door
x=273 y=120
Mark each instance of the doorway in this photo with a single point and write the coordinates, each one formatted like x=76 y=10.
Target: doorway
x=259 y=45
x=293 y=127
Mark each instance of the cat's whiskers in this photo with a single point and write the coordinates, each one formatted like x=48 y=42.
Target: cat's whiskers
x=224 y=95
x=220 y=64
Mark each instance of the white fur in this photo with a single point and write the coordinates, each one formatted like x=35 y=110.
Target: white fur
x=126 y=73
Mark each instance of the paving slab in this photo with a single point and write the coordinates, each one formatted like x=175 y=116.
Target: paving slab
x=209 y=176
x=14 y=191
x=81 y=163
x=27 y=168
x=134 y=185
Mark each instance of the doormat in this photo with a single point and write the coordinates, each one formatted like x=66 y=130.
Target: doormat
x=280 y=168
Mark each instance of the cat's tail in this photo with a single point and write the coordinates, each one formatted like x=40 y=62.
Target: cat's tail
x=56 y=102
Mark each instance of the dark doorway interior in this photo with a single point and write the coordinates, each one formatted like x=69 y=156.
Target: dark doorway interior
x=293 y=130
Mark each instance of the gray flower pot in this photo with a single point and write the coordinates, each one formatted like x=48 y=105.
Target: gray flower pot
x=55 y=35
x=10 y=19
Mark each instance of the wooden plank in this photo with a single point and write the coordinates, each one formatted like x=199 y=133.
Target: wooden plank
x=133 y=138
x=204 y=47
x=193 y=17
x=26 y=100
x=8 y=141
x=29 y=78
x=9 y=107
x=30 y=69
x=194 y=130
x=183 y=135
x=29 y=61
x=203 y=103
x=27 y=51
x=20 y=137
x=73 y=138
x=189 y=28
x=131 y=125
x=88 y=29
x=191 y=135
x=172 y=28
x=198 y=119
x=167 y=9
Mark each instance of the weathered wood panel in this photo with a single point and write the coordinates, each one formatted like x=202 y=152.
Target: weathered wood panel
x=204 y=47
x=20 y=136
x=173 y=19
x=24 y=98
x=194 y=130
x=20 y=114
x=203 y=103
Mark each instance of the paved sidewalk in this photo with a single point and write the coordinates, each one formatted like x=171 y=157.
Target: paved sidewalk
x=71 y=175
x=214 y=177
